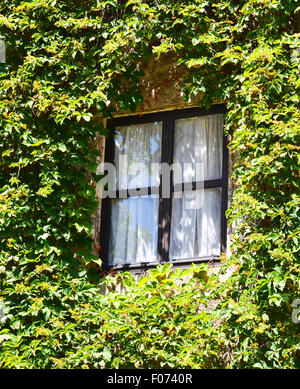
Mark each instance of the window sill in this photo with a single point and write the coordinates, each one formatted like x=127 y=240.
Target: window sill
x=138 y=268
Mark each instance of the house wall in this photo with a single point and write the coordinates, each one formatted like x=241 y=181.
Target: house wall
x=161 y=88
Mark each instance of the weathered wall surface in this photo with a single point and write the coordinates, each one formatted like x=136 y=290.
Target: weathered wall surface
x=161 y=89
x=161 y=86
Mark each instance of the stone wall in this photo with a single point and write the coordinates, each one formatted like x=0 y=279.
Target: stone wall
x=161 y=86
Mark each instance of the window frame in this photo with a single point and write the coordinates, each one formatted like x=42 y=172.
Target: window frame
x=168 y=119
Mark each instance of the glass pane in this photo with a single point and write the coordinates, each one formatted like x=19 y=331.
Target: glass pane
x=137 y=155
x=196 y=224
x=134 y=230
x=198 y=144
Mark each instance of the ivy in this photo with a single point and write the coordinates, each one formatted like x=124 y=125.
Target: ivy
x=65 y=63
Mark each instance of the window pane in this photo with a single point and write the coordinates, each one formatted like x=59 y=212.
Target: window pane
x=137 y=148
x=199 y=140
x=134 y=229
x=196 y=224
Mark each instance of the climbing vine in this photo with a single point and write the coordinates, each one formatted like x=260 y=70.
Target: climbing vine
x=65 y=63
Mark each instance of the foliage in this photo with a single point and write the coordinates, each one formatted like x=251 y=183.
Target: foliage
x=152 y=323
x=66 y=62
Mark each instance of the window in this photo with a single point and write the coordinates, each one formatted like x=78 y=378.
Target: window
x=170 y=192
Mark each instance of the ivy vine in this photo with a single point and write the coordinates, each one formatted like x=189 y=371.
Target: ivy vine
x=65 y=63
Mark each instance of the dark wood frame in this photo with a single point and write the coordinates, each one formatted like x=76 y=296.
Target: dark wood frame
x=165 y=204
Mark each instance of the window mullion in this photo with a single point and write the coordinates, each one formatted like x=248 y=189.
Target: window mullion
x=165 y=207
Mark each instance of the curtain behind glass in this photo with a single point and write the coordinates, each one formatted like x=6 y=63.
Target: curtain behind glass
x=134 y=230
x=141 y=144
x=134 y=221
x=199 y=140
x=196 y=230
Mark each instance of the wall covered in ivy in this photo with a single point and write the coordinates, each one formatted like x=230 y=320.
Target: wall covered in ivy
x=65 y=63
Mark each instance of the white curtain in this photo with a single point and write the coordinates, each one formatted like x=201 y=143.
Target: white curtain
x=134 y=221
x=141 y=146
x=196 y=232
x=199 y=140
x=134 y=230
x=196 y=216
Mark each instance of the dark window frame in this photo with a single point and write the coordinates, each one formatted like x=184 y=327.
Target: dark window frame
x=165 y=204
